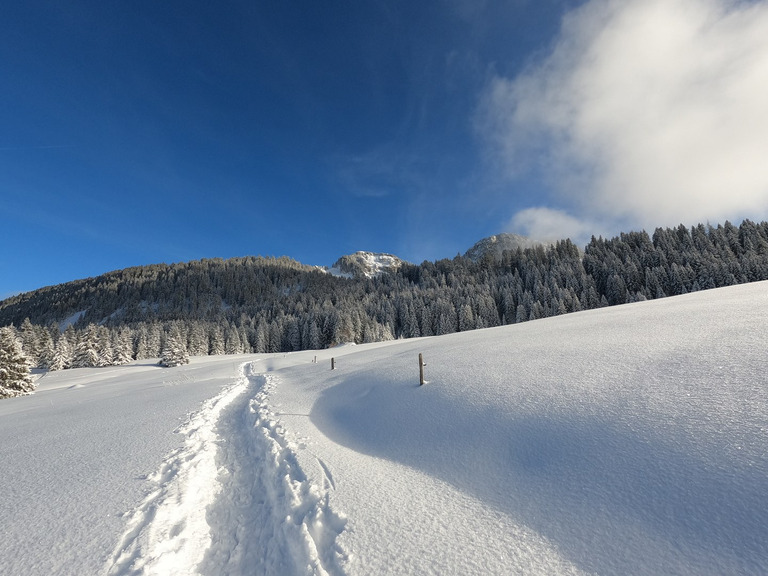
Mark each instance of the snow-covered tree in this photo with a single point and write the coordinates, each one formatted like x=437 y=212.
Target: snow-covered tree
x=104 y=347
x=15 y=377
x=261 y=338
x=30 y=341
x=174 y=352
x=141 y=346
x=47 y=350
x=122 y=346
x=154 y=339
x=232 y=342
x=215 y=341
x=197 y=340
x=62 y=354
x=311 y=335
x=86 y=353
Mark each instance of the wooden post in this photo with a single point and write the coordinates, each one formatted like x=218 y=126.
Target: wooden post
x=421 y=370
x=333 y=363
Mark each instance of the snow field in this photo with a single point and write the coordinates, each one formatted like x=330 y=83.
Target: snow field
x=626 y=441
x=75 y=456
x=401 y=520
x=629 y=440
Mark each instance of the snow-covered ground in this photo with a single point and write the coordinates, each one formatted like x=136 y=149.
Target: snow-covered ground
x=627 y=440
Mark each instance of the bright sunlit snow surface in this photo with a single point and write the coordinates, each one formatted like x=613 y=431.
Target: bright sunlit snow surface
x=628 y=440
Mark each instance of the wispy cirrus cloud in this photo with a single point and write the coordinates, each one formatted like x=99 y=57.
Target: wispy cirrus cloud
x=643 y=113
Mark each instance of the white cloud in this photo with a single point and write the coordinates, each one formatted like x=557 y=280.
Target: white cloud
x=546 y=224
x=644 y=113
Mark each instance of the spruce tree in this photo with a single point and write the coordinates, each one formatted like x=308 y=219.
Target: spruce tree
x=197 y=340
x=174 y=352
x=62 y=355
x=86 y=353
x=15 y=377
x=122 y=346
x=47 y=347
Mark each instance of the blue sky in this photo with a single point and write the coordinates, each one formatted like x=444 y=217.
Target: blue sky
x=141 y=132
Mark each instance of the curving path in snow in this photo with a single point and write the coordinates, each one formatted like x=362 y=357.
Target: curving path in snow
x=233 y=499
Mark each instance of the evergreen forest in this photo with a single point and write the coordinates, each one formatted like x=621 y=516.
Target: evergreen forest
x=257 y=304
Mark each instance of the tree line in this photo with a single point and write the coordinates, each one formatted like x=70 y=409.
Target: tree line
x=257 y=304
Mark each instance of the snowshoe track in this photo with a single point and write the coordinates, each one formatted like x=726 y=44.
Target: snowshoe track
x=233 y=499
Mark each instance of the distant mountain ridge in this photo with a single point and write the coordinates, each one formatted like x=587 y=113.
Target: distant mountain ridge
x=367 y=264
x=497 y=244
x=278 y=304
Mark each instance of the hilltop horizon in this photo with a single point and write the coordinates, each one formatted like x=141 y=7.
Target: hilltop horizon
x=180 y=130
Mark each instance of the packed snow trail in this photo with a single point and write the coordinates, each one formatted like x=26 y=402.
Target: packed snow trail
x=269 y=518
x=75 y=456
x=232 y=500
x=168 y=532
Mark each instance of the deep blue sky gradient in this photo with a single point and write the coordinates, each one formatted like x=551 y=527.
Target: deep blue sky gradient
x=141 y=132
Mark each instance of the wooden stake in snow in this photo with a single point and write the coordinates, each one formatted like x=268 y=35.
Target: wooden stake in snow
x=333 y=363
x=421 y=370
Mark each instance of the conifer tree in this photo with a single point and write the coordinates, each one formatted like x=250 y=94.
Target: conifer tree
x=104 y=347
x=30 y=341
x=216 y=341
x=232 y=342
x=86 y=353
x=261 y=338
x=47 y=349
x=174 y=352
x=62 y=354
x=197 y=340
x=141 y=343
x=122 y=346
x=15 y=377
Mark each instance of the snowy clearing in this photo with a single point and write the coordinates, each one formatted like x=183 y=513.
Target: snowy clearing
x=627 y=440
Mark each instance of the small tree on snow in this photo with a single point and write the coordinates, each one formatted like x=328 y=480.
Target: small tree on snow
x=174 y=352
x=15 y=378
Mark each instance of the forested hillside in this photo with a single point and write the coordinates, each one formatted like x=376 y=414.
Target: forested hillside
x=277 y=305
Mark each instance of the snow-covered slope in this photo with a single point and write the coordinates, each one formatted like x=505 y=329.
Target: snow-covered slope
x=627 y=440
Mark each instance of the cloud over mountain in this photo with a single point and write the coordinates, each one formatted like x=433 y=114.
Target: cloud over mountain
x=643 y=113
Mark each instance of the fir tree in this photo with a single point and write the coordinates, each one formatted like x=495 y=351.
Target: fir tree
x=216 y=341
x=174 y=352
x=86 y=353
x=47 y=349
x=62 y=355
x=29 y=339
x=122 y=346
x=197 y=340
x=15 y=377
